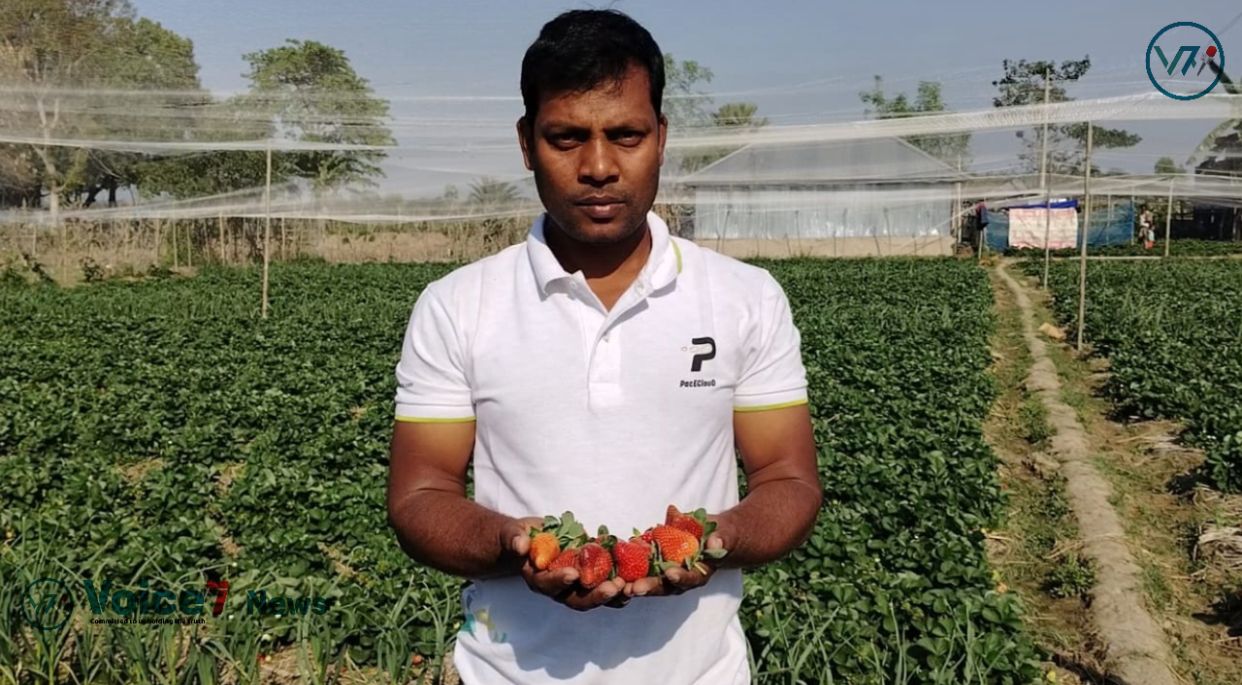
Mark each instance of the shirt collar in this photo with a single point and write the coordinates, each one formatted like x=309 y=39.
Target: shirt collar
x=662 y=267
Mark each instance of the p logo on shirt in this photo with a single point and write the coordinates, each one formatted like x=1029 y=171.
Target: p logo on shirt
x=704 y=349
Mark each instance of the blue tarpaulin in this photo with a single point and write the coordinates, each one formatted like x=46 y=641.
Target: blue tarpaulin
x=1115 y=228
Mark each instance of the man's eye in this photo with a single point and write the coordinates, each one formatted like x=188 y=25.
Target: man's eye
x=630 y=138
x=564 y=139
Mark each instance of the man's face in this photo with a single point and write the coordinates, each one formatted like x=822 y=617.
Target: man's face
x=596 y=157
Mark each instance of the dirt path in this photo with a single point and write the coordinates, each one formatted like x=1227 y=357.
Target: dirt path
x=1134 y=644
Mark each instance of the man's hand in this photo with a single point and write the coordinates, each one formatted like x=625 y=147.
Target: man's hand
x=561 y=584
x=675 y=581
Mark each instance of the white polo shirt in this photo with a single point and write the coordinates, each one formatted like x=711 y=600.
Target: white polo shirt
x=612 y=415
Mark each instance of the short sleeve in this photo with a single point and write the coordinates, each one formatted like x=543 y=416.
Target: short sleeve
x=432 y=385
x=773 y=376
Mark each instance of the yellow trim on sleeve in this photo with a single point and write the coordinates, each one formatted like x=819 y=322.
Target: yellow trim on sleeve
x=420 y=419
x=769 y=407
x=678 y=251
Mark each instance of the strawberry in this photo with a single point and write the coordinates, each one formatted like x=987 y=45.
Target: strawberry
x=633 y=558
x=566 y=559
x=693 y=523
x=555 y=535
x=676 y=545
x=544 y=548
x=594 y=565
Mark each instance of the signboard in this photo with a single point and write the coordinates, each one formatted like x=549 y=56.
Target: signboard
x=1026 y=227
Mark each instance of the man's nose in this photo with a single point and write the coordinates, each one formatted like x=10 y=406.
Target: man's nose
x=598 y=163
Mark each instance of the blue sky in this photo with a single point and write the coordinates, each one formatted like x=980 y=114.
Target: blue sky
x=800 y=61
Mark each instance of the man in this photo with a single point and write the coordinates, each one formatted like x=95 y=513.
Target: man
x=1146 y=223
x=606 y=368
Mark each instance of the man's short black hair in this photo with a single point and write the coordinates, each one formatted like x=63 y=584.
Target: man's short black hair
x=580 y=49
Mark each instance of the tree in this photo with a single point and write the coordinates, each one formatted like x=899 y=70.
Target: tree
x=1023 y=84
x=953 y=149
x=313 y=94
x=685 y=105
x=1220 y=151
x=86 y=69
x=48 y=50
x=492 y=194
x=732 y=116
x=1166 y=165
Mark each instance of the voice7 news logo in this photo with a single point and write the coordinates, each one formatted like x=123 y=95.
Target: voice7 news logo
x=1185 y=60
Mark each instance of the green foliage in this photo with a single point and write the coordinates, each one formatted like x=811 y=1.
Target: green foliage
x=1166 y=165
x=1171 y=329
x=1033 y=420
x=1023 y=84
x=952 y=149
x=688 y=107
x=894 y=573
x=184 y=418
x=1073 y=576
x=315 y=94
x=1177 y=248
x=62 y=55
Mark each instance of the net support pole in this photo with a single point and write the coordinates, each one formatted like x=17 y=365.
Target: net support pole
x=1082 y=258
x=1168 y=218
x=1133 y=216
x=267 y=226
x=957 y=213
x=1043 y=180
x=220 y=225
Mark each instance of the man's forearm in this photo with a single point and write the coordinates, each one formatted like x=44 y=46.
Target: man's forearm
x=453 y=534
x=771 y=520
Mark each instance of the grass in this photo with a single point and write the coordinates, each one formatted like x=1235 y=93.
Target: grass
x=1161 y=522
x=1039 y=526
x=1033 y=421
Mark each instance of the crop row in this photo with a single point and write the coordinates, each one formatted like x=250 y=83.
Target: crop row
x=162 y=430
x=1173 y=333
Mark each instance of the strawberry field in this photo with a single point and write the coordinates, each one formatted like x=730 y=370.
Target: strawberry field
x=160 y=435
x=1173 y=333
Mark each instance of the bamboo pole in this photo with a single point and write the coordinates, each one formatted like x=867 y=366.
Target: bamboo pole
x=284 y=254
x=176 y=249
x=157 y=240
x=1043 y=181
x=1168 y=218
x=1086 y=227
x=267 y=227
x=220 y=225
x=189 y=243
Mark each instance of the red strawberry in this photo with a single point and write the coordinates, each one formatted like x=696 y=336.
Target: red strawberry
x=646 y=535
x=594 y=565
x=633 y=559
x=567 y=559
x=691 y=522
x=676 y=545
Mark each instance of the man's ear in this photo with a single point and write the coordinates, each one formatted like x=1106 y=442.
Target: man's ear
x=663 y=126
x=523 y=140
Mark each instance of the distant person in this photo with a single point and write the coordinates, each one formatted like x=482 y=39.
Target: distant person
x=1147 y=228
x=981 y=220
x=606 y=368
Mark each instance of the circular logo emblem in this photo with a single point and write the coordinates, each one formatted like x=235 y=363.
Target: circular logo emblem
x=48 y=604
x=1178 y=59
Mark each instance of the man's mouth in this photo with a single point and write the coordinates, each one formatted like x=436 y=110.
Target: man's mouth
x=601 y=207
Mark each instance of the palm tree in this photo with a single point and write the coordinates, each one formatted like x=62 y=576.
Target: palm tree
x=491 y=193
